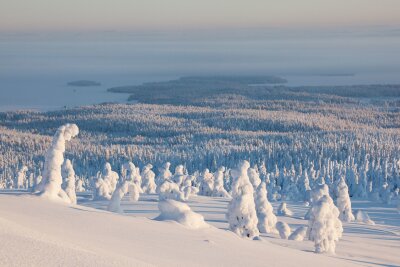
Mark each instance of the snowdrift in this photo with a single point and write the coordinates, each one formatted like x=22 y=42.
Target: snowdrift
x=36 y=232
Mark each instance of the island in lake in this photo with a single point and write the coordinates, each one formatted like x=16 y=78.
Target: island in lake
x=83 y=83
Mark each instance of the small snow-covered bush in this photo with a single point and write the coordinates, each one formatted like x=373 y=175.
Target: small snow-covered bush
x=266 y=217
x=283 y=210
x=363 y=217
x=283 y=229
x=299 y=234
x=181 y=213
x=324 y=226
x=242 y=216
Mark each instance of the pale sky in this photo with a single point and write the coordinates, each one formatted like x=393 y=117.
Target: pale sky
x=82 y=15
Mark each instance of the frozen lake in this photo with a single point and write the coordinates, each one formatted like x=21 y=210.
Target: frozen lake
x=35 y=68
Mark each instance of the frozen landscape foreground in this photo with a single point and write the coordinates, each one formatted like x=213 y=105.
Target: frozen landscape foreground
x=35 y=232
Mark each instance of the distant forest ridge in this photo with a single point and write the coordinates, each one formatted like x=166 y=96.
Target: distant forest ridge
x=192 y=89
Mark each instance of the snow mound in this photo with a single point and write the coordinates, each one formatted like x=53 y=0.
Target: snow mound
x=362 y=216
x=283 y=210
x=284 y=230
x=181 y=213
x=299 y=234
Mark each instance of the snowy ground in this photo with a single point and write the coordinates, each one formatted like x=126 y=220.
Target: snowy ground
x=34 y=232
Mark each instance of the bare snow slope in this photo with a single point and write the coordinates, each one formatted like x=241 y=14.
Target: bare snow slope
x=35 y=232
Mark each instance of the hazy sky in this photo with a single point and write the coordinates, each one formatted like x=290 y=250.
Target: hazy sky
x=43 y=15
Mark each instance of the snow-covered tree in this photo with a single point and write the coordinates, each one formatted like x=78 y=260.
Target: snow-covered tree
x=164 y=173
x=170 y=190
x=79 y=186
x=148 y=183
x=179 y=175
x=324 y=226
x=219 y=190
x=133 y=176
x=206 y=183
x=254 y=178
x=242 y=216
x=69 y=180
x=344 y=203
x=188 y=187
x=115 y=203
x=133 y=191
x=109 y=176
x=53 y=161
x=21 y=177
x=266 y=218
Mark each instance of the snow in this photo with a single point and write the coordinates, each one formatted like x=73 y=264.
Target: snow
x=181 y=213
x=51 y=234
x=363 y=217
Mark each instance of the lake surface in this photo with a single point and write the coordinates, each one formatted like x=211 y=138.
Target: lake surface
x=35 y=68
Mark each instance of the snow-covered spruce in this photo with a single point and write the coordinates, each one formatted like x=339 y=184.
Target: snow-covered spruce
x=363 y=217
x=133 y=191
x=242 y=216
x=344 y=203
x=115 y=203
x=299 y=234
x=102 y=189
x=171 y=210
x=133 y=175
x=21 y=177
x=148 y=183
x=219 y=190
x=69 y=180
x=283 y=210
x=283 y=229
x=79 y=186
x=316 y=194
x=266 y=217
x=254 y=177
x=206 y=183
x=52 y=178
x=188 y=188
x=324 y=226
x=179 y=175
x=109 y=176
x=170 y=190
x=164 y=174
